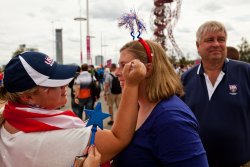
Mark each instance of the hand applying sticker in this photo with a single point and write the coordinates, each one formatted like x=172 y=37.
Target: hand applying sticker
x=33 y=89
x=134 y=72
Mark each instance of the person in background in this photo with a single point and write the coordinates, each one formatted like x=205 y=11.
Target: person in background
x=233 y=53
x=75 y=107
x=112 y=97
x=218 y=92
x=1 y=76
x=106 y=72
x=95 y=86
x=181 y=70
x=166 y=130
x=93 y=72
x=100 y=71
x=83 y=96
x=35 y=133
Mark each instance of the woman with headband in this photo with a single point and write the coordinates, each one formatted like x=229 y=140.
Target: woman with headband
x=166 y=130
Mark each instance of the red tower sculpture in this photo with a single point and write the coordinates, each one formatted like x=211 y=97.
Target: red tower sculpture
x=166 y=14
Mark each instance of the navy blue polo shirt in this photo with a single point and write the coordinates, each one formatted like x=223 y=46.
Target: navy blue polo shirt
x=224 y=119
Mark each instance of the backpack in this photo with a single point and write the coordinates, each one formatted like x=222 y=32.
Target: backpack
x=95 y=89
x=101 y=76
x=115 y=87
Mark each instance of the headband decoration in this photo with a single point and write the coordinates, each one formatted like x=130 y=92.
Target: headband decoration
x=128 y=20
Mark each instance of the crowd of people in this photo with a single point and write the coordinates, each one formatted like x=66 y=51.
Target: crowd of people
x=166 y=115
x=89 y=84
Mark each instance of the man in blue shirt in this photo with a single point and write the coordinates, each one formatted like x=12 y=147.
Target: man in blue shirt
x=218 y=92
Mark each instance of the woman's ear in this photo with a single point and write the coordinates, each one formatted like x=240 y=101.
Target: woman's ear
x=26 y=98
x=197 y=45
x=149 y=67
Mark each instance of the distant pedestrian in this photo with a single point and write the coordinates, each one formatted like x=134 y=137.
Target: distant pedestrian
x=95 y=87
x=75 y=107
x=233 y=53
x=1 y=76
x=112 y=92
x=83 y=96
x=100 y=71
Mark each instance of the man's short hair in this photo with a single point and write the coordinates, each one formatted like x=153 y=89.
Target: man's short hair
x=84 y=67
x=113 y=66
x=233 y=53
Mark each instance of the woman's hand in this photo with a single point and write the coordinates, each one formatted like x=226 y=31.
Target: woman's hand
x=134 y=72
x=93 y=159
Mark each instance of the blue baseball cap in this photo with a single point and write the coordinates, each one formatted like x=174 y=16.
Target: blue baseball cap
x=30 y=69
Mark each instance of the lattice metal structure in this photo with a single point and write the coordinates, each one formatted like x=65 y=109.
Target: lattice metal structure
x=165 y=16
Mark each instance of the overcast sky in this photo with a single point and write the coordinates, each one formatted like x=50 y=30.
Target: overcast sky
x=33 y=22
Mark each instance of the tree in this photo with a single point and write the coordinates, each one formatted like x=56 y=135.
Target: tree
x=244 y=50
x=19 y=50
x=23 y=48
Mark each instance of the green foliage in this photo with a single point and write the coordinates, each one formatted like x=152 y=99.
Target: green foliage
x=244 y=50
x=18 y=51
x=185 y=60
x=172 y=59
x=22 y=48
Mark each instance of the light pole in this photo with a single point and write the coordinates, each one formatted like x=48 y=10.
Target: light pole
x=80 y=19
x=102 y=45
x=53 y=41
x=88 y=49
x=89 y=59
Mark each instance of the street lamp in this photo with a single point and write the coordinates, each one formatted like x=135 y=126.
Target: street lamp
x=102 y=45
x=80 y=19
x=87 y=36
x=101 y=49
x=89 y=59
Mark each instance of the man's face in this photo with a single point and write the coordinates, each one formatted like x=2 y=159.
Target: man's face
x=212 y=46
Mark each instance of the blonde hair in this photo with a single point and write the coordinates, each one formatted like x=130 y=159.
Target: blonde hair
x=210 y=26
x=15 y=97
x=163 y=82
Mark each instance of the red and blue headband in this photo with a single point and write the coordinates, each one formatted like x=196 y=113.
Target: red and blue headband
x=127 y=20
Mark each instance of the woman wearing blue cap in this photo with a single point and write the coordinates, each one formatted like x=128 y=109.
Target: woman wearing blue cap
x=36 y=133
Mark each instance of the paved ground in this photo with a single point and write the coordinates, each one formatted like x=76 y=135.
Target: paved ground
x=104 y=108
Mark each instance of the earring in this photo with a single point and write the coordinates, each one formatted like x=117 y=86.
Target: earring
x=32 y=105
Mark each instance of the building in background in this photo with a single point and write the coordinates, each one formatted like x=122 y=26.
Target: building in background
x=59 y=46
x=99 y=59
